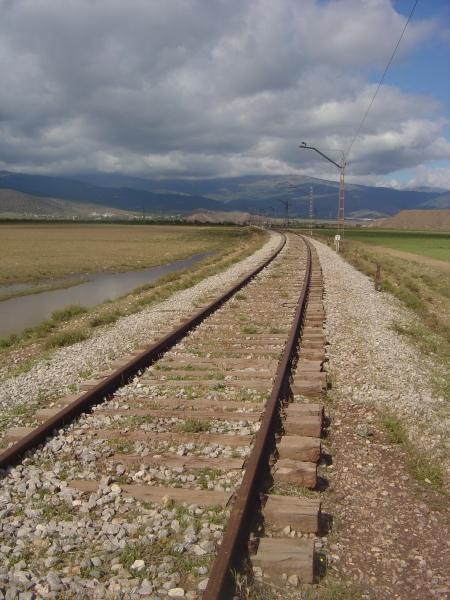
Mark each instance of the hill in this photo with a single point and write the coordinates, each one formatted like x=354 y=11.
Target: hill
x=208 y=216
x=129 y=199
x=15 y=205
x=418 y=220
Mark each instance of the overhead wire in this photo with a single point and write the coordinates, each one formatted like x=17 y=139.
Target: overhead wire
x=384 y=74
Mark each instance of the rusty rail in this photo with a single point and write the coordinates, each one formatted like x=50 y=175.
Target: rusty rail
x=234 y=547
x=110 y=384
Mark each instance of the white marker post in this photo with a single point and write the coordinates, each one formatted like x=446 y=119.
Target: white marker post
x=337 y=239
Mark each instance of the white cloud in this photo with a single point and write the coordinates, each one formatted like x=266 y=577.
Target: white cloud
x=432 y=177
x=208 y=87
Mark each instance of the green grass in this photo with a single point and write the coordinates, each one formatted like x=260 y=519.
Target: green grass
x=250 y=329
x=426 y=243
x=427 y=472
x=275 y=330
x=65 y=338
x=105 y=319
x=194 y=425
x=65 y=314
x=207 y=475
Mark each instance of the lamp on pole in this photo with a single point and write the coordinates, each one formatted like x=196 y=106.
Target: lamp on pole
x=286 y=211
x=310 y=204
x=341 y=167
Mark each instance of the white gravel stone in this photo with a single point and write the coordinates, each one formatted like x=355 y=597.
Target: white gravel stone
x=176 y=593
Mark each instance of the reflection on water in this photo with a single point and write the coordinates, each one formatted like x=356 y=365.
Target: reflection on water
x=35 y=287
x=27 y=311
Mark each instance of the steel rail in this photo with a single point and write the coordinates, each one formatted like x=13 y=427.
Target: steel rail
x=234 y=547
x=121 y=376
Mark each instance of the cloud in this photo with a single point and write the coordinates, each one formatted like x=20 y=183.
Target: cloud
x=438 y=177
x=208 y=87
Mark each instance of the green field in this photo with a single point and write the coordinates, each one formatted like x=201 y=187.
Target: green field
x=431 y=244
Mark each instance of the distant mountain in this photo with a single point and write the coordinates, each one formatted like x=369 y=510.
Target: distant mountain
x=130 y=199
x=252 y=194
x=426 y=188
x=256 y=193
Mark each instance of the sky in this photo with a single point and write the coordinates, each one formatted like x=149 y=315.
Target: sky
x=224 y=88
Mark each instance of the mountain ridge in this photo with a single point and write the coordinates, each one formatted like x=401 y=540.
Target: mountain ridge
x=251 y=194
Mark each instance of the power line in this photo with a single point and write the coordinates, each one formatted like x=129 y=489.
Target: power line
x=384 y=74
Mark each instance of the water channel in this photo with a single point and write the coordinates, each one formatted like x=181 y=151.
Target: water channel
x=27 y=311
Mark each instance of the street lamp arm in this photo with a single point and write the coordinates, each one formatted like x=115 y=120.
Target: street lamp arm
x=297 y=188
x=322 y=154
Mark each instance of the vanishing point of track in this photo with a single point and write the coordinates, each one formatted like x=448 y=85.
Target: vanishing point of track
x=230 y=394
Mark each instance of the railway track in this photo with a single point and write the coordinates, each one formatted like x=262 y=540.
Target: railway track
x=164 y=462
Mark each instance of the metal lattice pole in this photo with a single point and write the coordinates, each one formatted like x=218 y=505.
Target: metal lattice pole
x=310 y=211
x=341 y=198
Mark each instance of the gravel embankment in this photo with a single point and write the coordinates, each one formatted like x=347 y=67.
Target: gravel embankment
x=64 y=372
x=389 y=534
x=371 y=364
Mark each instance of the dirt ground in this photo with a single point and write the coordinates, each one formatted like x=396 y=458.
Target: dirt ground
x=389 y=536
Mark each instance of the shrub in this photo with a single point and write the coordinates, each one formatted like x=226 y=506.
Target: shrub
x=64 y=314
x=66 y=338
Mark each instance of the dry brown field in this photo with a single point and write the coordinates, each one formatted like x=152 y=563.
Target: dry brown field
x=36 y=252
x=417 y=220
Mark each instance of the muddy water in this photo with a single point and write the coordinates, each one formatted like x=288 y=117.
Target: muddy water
x=27 y=311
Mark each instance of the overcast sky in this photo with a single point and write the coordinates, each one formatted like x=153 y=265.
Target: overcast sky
x=205 y=88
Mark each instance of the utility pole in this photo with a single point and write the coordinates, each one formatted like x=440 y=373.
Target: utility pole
x=286 y=211
x=310 y=205
x=341 y=167
x=341 y=197
x=275 y=211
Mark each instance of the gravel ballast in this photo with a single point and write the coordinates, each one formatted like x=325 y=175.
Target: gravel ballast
x=388 y=535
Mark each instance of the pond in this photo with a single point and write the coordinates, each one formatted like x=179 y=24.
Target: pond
x=27 y=311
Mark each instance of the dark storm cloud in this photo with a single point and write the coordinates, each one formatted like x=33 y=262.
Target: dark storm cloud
x=203 y=88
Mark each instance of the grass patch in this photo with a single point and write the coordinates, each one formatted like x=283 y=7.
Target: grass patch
x=427 y=472
x=67 y=313
x=207 y=475
x=396 y=433
x=158 y=551
x=274 y=330
x=121 y=447
x=250 y=329
x=66 y=338
x=105 y=319
x=194 y=425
